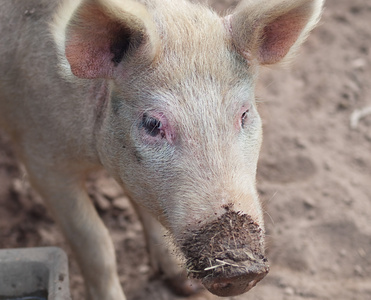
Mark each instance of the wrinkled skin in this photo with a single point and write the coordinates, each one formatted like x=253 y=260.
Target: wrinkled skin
x=161 y=94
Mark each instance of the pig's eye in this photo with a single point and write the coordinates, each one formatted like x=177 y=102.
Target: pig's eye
x=244 y=118
x=152 y=126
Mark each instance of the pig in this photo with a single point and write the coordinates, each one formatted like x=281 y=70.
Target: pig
x=160 y=93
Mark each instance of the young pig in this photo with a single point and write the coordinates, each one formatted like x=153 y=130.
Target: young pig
x=161 y=94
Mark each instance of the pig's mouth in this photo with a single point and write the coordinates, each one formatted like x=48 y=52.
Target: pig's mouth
x=227 y=255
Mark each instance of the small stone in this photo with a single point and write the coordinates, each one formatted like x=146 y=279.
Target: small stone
x=29 y=12
x=299 y=143
x=358 y=270
x=309 y=203
x=358 y=63
x=102 y=202
x=362 y=252
x=109 y=188
x=47 y=236
x=289 y=291
x=143 y=269
x=19 y=186
x=121 y=203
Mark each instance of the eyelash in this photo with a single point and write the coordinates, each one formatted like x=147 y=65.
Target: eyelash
x=244 y=117
x=152 y=126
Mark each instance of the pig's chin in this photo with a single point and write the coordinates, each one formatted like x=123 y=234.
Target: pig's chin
x=227 y=254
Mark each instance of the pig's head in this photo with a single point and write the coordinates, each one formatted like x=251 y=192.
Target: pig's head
x=177 y=123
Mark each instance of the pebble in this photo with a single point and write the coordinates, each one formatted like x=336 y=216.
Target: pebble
x=29 y=12
x=102 y=202
x=18 y=186
x=289 y=291
x=109 y=188
x=143 y=269
x=358 y=270
x=309 y=203
x=47 y=236
x=362 y=253
x=358 y=63
x=121 y=203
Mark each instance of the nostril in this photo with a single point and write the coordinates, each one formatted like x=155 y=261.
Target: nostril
x=222 y=286
x=252 y=283
x=234 y=285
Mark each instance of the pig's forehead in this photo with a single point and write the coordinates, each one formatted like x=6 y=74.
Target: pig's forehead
x=193 y=39
x=196 y=62
x=194 y=88
x=205 y=97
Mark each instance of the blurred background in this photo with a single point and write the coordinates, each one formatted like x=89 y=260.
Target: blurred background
x=314 y=177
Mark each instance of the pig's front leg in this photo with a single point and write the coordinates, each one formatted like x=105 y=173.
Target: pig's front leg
x=163 y=256
x=69 y=203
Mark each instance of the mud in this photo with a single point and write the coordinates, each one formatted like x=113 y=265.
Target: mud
x=229 y=246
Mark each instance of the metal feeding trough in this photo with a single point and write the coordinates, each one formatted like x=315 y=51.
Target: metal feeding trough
x=34 y=274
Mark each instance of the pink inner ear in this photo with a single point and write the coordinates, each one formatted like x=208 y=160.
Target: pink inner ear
x=95 y=43
x=279 y=36
x=88 y=59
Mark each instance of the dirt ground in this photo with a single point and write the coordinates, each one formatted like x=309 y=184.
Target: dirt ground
x=314 y=178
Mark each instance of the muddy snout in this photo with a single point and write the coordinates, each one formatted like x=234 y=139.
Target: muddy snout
x=227 y=255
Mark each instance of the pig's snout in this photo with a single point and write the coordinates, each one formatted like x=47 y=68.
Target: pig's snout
x=237 y=280
x=227 y=255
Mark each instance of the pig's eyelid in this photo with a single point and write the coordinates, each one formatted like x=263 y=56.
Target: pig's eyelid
x=244 y=114
x=244 y=117
x=151 y=124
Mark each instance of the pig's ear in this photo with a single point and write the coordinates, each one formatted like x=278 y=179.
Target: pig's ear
x=95 y=36
x=271 y=30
